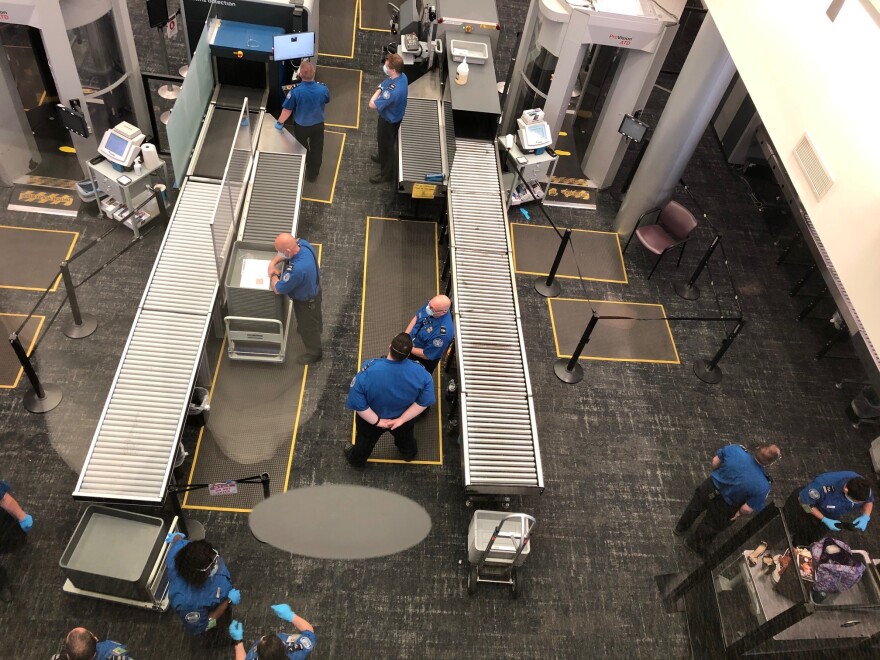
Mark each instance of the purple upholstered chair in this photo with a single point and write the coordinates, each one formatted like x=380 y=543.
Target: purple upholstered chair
x=673 y=228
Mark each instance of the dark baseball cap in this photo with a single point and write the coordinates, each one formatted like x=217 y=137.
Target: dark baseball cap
x=401 y=345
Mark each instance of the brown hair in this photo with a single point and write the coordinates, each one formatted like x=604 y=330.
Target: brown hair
x=767 y=454
x=395 y=61
x=307 y=71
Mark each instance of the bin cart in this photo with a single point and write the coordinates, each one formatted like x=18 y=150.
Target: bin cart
x=498 y=544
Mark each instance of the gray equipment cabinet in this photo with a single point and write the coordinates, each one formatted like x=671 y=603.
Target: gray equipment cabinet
x=128 y=197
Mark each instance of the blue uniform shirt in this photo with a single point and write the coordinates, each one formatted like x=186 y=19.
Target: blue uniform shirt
x=825 y=492
x=299 y=646
x=110 y=650
x=300 y=279
x=307 y=101
x=740 y=478
x=432 y=335
x=194 y=604
x=390 y=387
x=391 y=102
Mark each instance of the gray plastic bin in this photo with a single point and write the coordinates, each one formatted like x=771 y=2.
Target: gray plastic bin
x=250 y=302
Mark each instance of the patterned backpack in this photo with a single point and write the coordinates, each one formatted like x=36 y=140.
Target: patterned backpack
x=835 y=571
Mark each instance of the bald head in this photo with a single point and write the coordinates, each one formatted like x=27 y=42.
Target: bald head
x=439 y=305
x=80 y=644
x=768 y=454
x=286 y=245
x=307 y=71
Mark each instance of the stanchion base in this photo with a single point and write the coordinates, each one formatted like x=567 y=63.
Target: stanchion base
x=686 y=291
x=35 y=404
x=548 y=291
x=576 y=375
x=195 y=531
x=88 y=326
x=705 y=374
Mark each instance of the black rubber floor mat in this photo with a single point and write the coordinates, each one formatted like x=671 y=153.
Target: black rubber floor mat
x=597 y=252
x=10 y=367
x=44 y=199
x=322 y=189
x=344 y=108
x=29 y=258
x=621 y=340
x=341 y=16
x=375 y=16
x=400 y=274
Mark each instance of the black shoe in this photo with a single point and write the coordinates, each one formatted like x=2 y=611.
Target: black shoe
x=308 y=359
x=679 y=531
x=410 y=457
x=374 y=158
x=5 y=595
x=378 y=178
x=347 y=453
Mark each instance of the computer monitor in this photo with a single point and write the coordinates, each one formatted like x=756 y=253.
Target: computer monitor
x=121 y=144
x=294 y=46
x=535 y=136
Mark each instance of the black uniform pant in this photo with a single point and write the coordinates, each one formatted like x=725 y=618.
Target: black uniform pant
x=312 y=138
x=429 y=365
x=309 y=323
x=717 y=519
x=367 y=435
x=804 y=527
x=386 y=137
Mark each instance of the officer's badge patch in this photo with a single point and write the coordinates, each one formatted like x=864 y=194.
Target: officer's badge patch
x=192 y=617
x=286 y=277
x=430 y=329
x=305 y=642
x=443 y=330
x=438 y=342
x=814 y=494
x=386 y=95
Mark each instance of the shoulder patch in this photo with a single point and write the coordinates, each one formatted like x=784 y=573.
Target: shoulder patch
x=813 y=493
x=438 y=342
x=286 y=277
x=192 y=617
x=386 y=95
x=352 y=380
x=305 y=642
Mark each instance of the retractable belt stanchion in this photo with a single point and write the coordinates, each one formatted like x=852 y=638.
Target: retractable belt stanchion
x=40 y=398
x=708 y=371
x=550 y=288
x=193 y=529
x=569 y=371
x=689 y=290
x=81 y=325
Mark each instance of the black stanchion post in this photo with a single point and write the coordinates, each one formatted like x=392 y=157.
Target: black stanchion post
x=40 y=398
x=194 y=530
x=82 y=325
x=689 y=290
x=570 y=371
x=550 y=288
x=708 y=371
x=264 y=479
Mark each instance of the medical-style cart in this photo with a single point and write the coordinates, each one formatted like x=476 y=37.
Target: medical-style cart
x=498 y=544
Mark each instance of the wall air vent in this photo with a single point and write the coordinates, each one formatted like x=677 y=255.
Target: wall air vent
x=814 y=169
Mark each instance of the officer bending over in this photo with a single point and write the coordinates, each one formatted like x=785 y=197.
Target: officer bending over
x=825 y=501
x=281 y=646
x=388 y=394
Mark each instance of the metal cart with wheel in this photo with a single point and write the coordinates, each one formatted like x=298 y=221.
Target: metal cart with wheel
x=498 y=544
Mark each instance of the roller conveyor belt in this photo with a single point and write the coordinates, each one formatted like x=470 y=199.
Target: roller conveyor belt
x=264 y=218
x=420 y=141
x=501 y=455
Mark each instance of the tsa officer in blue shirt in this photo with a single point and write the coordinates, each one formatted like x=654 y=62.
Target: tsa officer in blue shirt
x=80 y=644
x=306 y=102
x=294 y=272
x=280 y=646
x=826 y=500
x=389 y=101
x=388 y=394
x=15 y=523
x=738 y=484
x=199 y=585
x=432 y=330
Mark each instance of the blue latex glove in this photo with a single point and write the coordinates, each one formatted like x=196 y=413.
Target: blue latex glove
x=830 y=523
x=236 y=630
x=244 y=122
x=278 y=125
x=283 y=611
x=171 y=536
x=234 y=596
x=861 y=522
x=525 y=213
x=28 y=522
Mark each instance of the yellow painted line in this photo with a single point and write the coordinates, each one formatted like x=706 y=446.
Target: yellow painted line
x=609 y=359
x=360 y=87
x=67 y=150
x=560 y=152
x=361 y=21
x=54 y=287
x=625 y=279
x=29 y=348
x=354 y=23
x=563 y=134
x=335 y=174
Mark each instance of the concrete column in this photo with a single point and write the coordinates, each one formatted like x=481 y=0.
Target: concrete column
x=704 y=78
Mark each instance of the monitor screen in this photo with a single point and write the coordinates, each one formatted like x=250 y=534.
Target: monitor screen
x=116 y=144
x=538 y=133
x=294 y=46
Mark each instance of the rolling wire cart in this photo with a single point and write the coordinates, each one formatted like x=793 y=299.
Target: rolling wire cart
x=498 y=544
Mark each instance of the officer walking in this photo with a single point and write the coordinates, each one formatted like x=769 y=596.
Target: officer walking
x=306 y=102
x=81 y=644
x=822 y=504
x=388 y=394
x=294 y=272
x=389 y=100
x=738 y=485
x=281 y=646
x=432 y=330
x=15 y=524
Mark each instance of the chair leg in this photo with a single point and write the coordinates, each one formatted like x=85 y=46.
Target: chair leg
x=657 y=263
x=680 y=254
